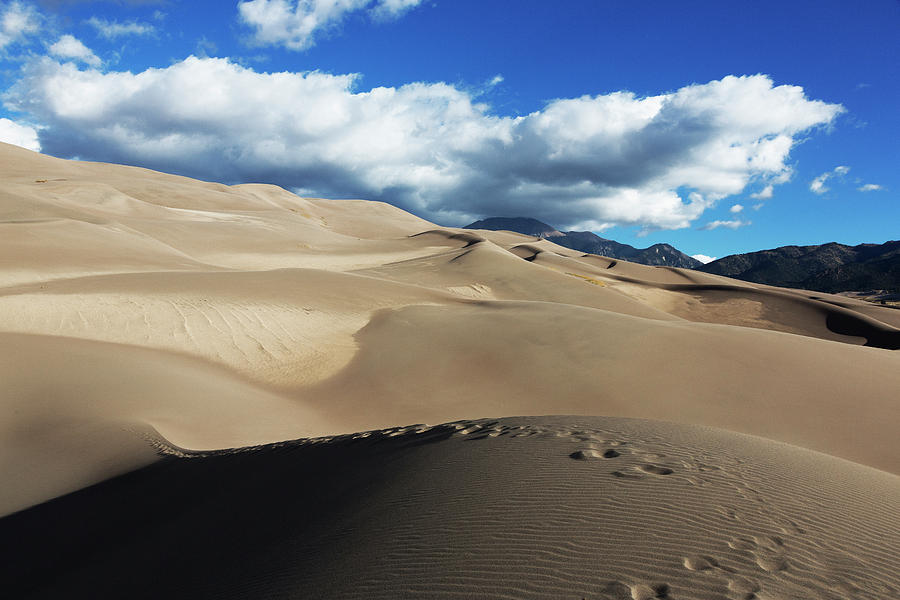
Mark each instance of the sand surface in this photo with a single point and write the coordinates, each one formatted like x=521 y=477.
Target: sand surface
x=542 y=507
x=141 y=312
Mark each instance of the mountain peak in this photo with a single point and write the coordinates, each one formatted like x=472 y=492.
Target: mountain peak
x=591 y=243
x=525 y=225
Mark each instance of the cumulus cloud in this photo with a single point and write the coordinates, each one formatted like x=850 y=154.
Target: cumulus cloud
x=296 y=24
x=583 y=163
x=870 y=187
x=736 y=208
x=114 y=29
x=765 y=193
x=703 y=258
x=817 y=185
x=729 y=224
x=19 y=135
x=17 y=21
x=71 y=47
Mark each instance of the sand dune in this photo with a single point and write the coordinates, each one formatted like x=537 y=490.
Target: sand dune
x=572 y=360
x=143 y=313
x=282 y=326
x=77 y=412
x=551 y=507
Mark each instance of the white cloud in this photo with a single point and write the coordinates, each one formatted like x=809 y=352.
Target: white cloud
x=19 y=135
x=581 y=163
x=729 y=224
x=71 y=47
x=17 y=21
x=758 y=206
x=703 y=258
x=784 y=176
x=870 y=187
x=736 y=208
x=764 y=194
x=114 y=29
x=295 y=24
x=817 y=185
x=391 y=9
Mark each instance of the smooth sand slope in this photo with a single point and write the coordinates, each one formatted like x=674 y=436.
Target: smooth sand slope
x=76 y=412
x=550 y=507
x=141 y=311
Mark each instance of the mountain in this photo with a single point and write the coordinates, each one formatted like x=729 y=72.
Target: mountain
x=524 y=225
x=591 y=243
x=657 y=254
x=829 y=267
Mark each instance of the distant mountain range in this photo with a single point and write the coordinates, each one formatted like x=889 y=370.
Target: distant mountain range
x=829 y=267
x=591 y=243
x=826 y=268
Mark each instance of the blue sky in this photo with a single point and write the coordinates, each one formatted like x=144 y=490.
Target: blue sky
x=719 y=127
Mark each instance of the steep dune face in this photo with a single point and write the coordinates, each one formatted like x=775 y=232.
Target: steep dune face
x=314 y=317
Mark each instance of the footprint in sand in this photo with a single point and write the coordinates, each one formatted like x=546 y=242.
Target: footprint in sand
x=743 y=589
x=649 y=592
x=591 y=453
x=587 y=454
x=767 y=550
x=741 y=544
x=642 y=470
x=468 y=430
x=700 y=563
x=771 y=564
x=615 y=590
x=656 y=470
x=624 y=475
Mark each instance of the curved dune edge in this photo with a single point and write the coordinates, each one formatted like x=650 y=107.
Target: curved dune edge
x=76 y=412
x=524 y=507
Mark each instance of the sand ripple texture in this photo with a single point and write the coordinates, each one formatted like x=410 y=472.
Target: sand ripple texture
x=549 y=507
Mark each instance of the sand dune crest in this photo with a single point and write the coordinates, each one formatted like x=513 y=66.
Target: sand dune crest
x=413 y=512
